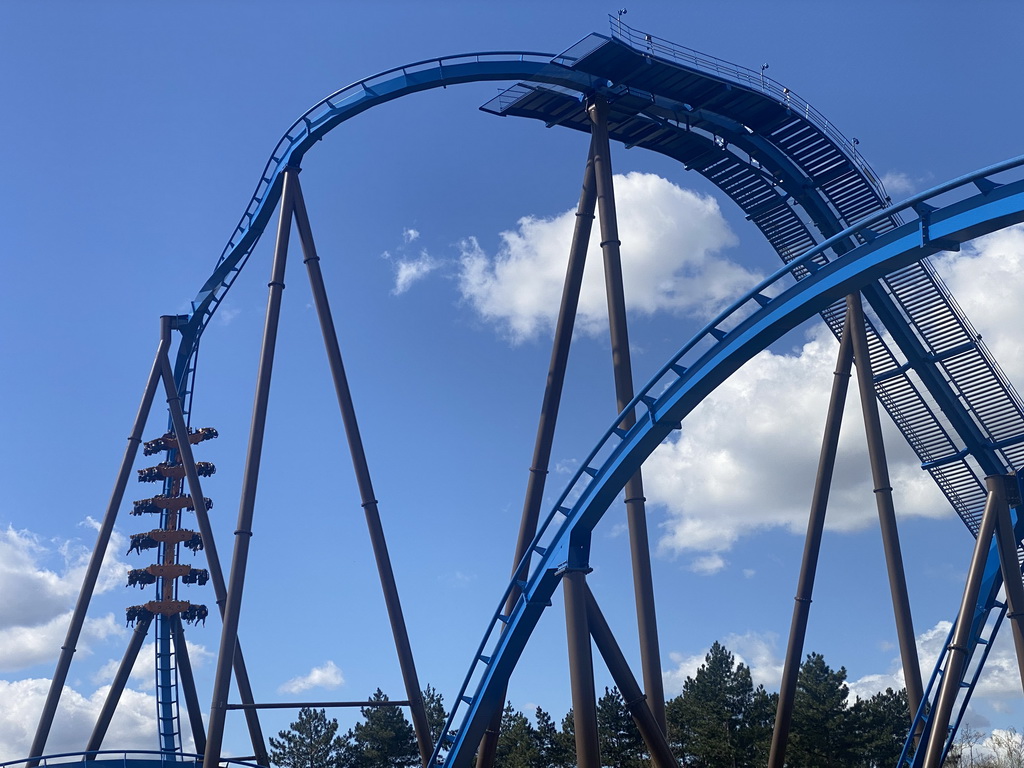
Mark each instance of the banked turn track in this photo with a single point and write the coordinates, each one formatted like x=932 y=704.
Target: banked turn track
x=803 y=184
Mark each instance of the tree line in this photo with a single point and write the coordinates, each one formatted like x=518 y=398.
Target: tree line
x=720 y=720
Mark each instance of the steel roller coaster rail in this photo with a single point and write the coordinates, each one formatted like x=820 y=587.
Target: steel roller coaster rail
x=822 y=208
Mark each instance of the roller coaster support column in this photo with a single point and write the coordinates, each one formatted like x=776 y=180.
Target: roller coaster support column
x=131 y=653
x=413 y=691
x=187 y=679
x=220 y=591
x=653 y=736
x=938 y=725
x=250 y=477
x=812 y=546
x=643 y=584
x=548 y=414
x=96 y=561
x=883 y=500
x=581 y=665
x=1006 y=540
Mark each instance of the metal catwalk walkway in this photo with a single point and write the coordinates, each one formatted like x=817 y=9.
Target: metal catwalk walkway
x=804 y=185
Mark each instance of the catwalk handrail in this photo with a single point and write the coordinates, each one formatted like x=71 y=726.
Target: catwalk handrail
x=643 y=42
x=552 y=545
x=130 y=758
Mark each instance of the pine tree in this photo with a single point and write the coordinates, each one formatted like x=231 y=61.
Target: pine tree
x=385 y=738
x=437 y=715
x=517 y=741
x=552 y=746
x=620 y=740
x=880 y=726
x=709 y=724
x=311 y=742
x=822 y=731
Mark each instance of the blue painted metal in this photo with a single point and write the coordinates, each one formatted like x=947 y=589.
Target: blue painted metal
x=135 y=758
x=984 y=627
x=792 y=173
x=328 y=114
x=701 y=365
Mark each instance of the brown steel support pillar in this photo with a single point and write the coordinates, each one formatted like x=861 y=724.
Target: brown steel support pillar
x=650 y=731
x=117 y=685
x=883 y=500
x=1006 y=540
x=548 y=415
x=643 y=583
x=220 y=591
x=369 y=501
x=92 y=571
x=812 y=546
x=188 y=685
x=250 y=478
x=956 y=656
x=581 y=669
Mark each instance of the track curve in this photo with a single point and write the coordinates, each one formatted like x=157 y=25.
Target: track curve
x=799 y=180
x=328 y=114
x=751 y=324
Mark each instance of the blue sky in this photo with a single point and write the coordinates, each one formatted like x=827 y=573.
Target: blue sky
x=134 y=137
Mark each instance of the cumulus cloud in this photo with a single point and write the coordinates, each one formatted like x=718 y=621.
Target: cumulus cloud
x=410 y=235
x=22 y=647
x=38 y=596
x=325 y=676
x=21 y=701
x=142 y=674
x=756 y=650
x=999 y=681
x=746 y=458
x=671 y=241
x=987 y=279
x=899 y=184
x=411 y=271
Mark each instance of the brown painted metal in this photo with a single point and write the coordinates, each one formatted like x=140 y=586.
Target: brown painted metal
x=581 y=669
x=938 y=726
x=319 y=704
x=250 y=477
x=1009 y=566
x=117 y=685
x=220 y=590
x=812 y=547
x=636 y=516
x=636 y=701
x=883 y=500
x=188 y=685
x=548 y=415
x=413 y=691
x=99 y=551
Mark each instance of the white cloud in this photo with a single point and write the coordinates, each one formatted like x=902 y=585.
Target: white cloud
x=709 y=564
x=999 y=681
x=142 y=675
x=671 y=238
x=900 y=185
x=754 y=649
x=325 y=676
x=987 y=279
x=411 y=271
x=410 y=235
x=22 y=646
x=21 y=701
x=746 y=458
x=38 y=597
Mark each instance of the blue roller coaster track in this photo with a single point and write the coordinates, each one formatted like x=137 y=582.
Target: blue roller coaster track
x=820 y=206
